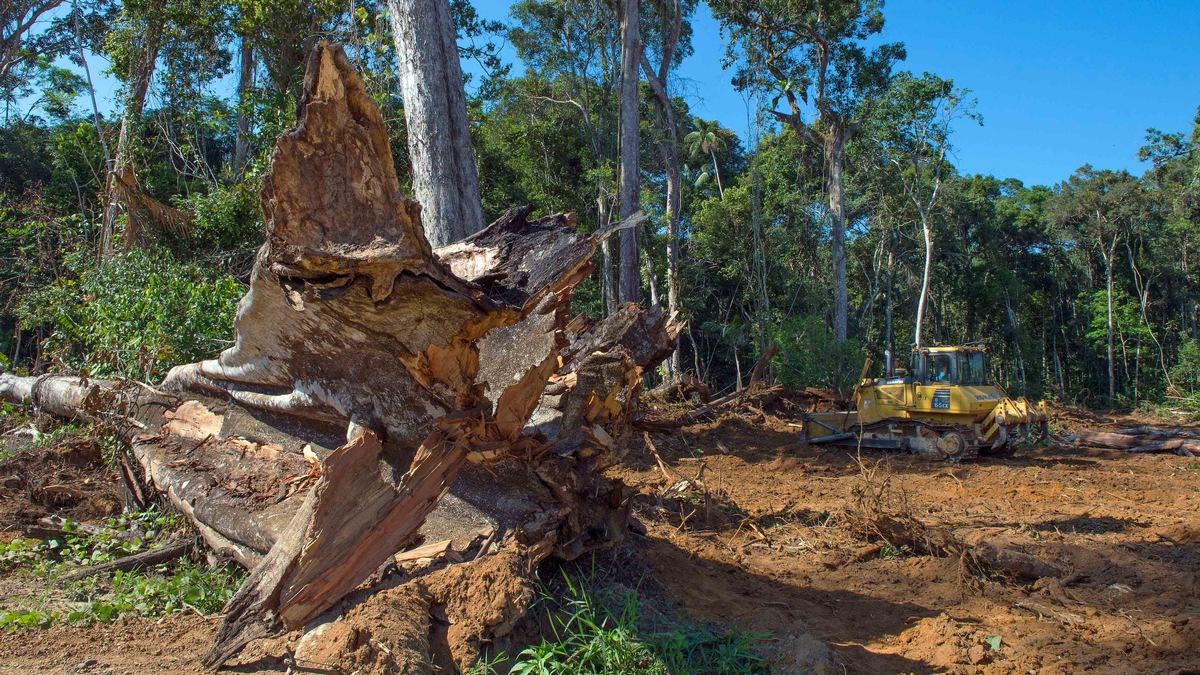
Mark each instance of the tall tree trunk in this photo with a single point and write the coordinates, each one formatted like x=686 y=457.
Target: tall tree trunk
x=887 y=340
x=737 y=362
x=674 y=206
x=1058 y=374
x=121 y=169
x=608 y=283
x=445 y=178
x=241 y=145
x=669 y=149
x=760 y=258
x=629 y=284
x=927 y=229
x=1012 y=320
x=651 y=274
x=835 y=146
x=1108 y=271
x=717 y=173
x=1143 y=290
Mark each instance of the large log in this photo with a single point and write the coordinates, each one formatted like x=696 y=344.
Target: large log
x=368 y=370
x=1140 y=441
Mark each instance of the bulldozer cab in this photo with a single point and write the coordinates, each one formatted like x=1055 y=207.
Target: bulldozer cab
x=950 y=365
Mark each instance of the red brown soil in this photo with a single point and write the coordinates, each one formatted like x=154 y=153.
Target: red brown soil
x=761 y=542
x=751 y=530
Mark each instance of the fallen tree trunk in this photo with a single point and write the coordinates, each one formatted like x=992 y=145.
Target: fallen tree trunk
x=1175 y=432
x=369 y=371
x=1175 y=441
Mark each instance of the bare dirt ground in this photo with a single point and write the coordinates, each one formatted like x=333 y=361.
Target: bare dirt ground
x=764 y=540
x=747 y=529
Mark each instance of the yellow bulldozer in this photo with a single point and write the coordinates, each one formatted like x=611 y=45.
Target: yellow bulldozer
x=943 y=405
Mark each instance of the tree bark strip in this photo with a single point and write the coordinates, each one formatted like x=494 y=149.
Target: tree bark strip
x=629 y=284
x=445 y=178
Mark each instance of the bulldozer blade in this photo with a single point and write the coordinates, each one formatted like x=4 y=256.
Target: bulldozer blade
x=835 y=439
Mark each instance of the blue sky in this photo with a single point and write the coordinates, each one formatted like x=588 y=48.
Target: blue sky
x=1059 y=83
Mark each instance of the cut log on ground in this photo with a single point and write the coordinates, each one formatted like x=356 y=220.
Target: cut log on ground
x=369 y=372
x=169 y=551
x=1177 y=441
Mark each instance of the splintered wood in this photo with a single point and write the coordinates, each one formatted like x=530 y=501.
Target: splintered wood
x=369 y=369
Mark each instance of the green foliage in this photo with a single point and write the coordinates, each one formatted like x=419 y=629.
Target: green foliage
x=76 y=547
x=809 y=356
x=104 y=598
x=1127 y=320
x=151 y=594
x=18 y=553
x=588 y=636
x=816 y=51
x=1185 y=374
x=227 y=219
x=134 y=316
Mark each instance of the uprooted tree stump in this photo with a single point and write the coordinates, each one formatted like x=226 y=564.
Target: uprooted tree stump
x=369 y=371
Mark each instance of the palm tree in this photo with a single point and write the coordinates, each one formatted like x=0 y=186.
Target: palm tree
x=706 y=139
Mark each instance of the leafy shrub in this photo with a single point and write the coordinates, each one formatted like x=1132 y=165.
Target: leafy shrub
x=160 y=591
x=227 y=220
x=808 y=355
x=135 y=316
x=1186 y=373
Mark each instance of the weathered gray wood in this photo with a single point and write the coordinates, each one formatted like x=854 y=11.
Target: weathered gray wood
x=355 y=335
x=445 y=178
x=1141 y=441
x=668 y=144
x=629 y=284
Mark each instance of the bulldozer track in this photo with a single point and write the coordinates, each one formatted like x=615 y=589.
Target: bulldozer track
x=970 y=451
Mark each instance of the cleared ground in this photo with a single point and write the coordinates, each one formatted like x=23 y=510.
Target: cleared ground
x=746 y=528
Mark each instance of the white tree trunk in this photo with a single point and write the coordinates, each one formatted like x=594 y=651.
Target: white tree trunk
x=835 y=145
x=629 y=283
x=669 y=150
x=445 y=178
x=927 y=229
x=1108 y=269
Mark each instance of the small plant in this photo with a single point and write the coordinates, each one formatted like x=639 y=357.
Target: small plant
x=591 y=637
x=1027 y=529
x=78 y=548
x=147 y=593
x=47 y=439
x=150 y=594
x=994 y=643
x=18 y=552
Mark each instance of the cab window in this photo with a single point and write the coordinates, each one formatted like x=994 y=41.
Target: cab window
x=941 y=368
x=972 y=368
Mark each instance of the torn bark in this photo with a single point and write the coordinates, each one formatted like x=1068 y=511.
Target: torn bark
x=368 y=371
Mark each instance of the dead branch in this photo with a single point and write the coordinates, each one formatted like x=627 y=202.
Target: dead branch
x=169 y=551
